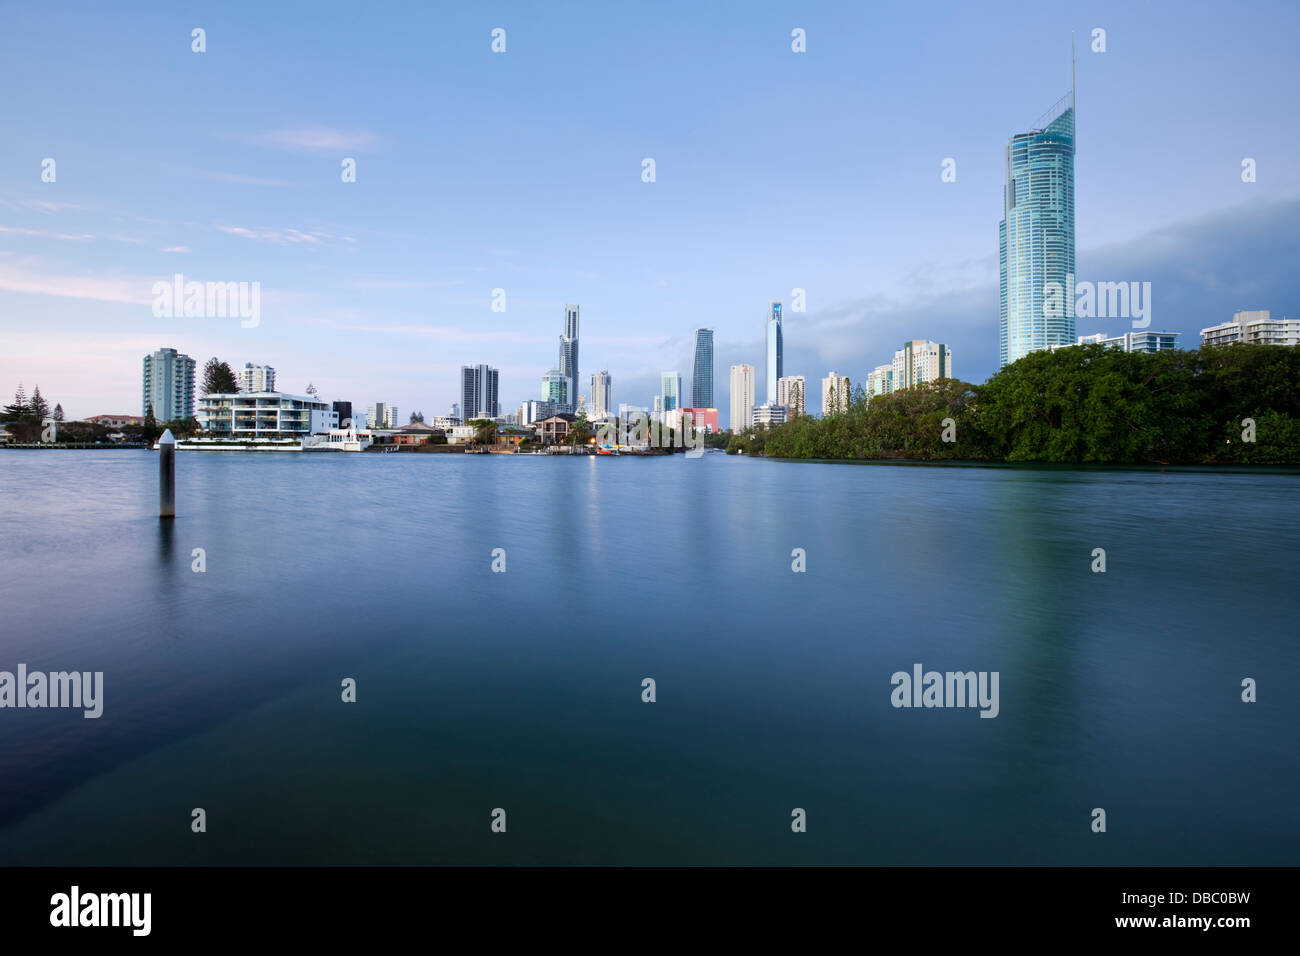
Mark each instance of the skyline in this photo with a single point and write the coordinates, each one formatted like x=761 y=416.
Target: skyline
x=396 y=271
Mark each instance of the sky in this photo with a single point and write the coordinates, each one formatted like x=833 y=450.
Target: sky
x=522 y=171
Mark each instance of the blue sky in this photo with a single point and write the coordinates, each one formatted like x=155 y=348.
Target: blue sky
x=522 y=171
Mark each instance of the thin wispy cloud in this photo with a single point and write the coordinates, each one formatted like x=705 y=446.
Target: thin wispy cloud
x=177 y=249
x=228 y=177
x=285 y=237
x=316 y=139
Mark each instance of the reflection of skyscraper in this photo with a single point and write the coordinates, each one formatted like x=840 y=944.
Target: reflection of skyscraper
x=775 y=352
x=478 y=391
x=742 y=397
x=702 y=374
x=569 y=353
x=1036 y=235
x=601 y=390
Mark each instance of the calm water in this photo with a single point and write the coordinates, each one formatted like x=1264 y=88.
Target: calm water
x=522 y=690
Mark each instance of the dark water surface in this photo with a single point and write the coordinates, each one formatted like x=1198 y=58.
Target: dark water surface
x=478 y=690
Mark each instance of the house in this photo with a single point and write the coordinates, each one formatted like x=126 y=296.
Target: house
x=510 y=437
x=555 y=430
x=417 y=433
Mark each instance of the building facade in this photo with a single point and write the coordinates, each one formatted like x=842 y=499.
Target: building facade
x=836 y=394
x=670 y=391
x=168 y=385
x=265 y=415
x=1258 y=327
x=768 y=414
x=382 y=415
x=742 y=397
x=256 y=378
x=569 y=354
x=790 y=392
x=775 y=347
x=1036 y=235
x=602 y=394
x=920 y=361
x=478 y=392
x=702 y=370
x=880 y=380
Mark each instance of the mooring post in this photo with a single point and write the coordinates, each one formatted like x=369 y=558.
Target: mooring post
x=167 y=475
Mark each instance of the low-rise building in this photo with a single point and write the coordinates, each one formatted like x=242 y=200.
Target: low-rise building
x=769 y=414
x=1257 y=327
x=265 y=414
x=115 y=421
x=416 y=433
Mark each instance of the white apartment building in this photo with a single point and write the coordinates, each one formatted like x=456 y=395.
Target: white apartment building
x=790 y=392
x=256 y=378
x=919 y=361
x=742 y=397
x=769 y=413
x=835 y=394
x=265 y=414
x=1257 y=327
x=1161 y=341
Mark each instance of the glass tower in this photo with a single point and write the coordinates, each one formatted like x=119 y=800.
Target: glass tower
x=702 y=375
x=775 y=364
x=569 y=354
x=1036 y=236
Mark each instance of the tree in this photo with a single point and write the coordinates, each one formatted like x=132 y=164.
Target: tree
x=39 y=406
x=580 y=431
x=20 y=407
x=416 y=418
x=219 y=378
x=485 y=430
x=58 y=413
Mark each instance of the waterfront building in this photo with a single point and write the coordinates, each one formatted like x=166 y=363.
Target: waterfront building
x=417 y=433
x=555 y=429
x=265 y=415
x=478 y=392
x=775 y=347
x=702 y=370
x=1036 y=235
x=168 y=385
x=768 y=414
x=602 y=392
x=920 y=361
x=344 y=411
x=256 y=378
x=742 y=397
x=1257 y=326
x=790 y=392
x=446 y=421
x=836 y=394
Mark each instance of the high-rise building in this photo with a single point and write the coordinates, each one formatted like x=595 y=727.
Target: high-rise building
x=382 y=415
x=478 y=392
x=790 y=392
x=702 y=373
x=742 y=397
x=775 y=351
x=1257 y=326
x=569 y=353
x=880 y=380
x=921 y=360
x=671 y=391
x=344 y=412
x=168 y=385
x=1036 y=235
x=602 y=387
x=455 y=410
x=555 y=389
x=256 y=378
x=836 y=394
x=657 y=413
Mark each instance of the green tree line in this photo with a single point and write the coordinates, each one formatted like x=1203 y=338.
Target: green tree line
x=1089 y=403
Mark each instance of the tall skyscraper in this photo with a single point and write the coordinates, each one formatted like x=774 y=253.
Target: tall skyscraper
x=775 y=351
x=702 y=374
x=742 y=397
x=602 y=387
x=1036 y=235
x=569 y=353
x=671 y=391
x=168 y=385
x=478 y=391
x=790 y=392
x=256 y=378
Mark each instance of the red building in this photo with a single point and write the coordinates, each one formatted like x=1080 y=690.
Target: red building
x=702 y=418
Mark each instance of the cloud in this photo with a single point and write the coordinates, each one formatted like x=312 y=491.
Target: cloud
x=316 y=139
x=110 y=288
x=226 y=177
x=285 y=237
x=180 y=249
